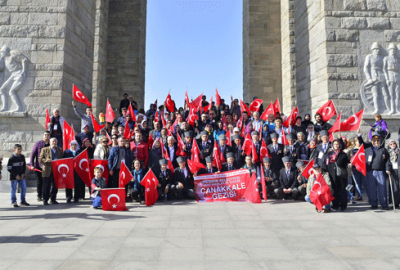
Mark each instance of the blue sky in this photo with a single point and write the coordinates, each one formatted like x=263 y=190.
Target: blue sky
x=194 y=45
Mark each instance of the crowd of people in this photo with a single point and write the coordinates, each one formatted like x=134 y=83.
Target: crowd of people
x=307 y=139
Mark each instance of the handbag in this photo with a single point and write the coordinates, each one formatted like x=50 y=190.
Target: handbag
x=340 y=172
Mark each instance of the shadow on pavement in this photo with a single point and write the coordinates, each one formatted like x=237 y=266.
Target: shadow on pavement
x=39 y=238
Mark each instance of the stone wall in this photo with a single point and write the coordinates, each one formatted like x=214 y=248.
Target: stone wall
x=262 y=75
x=126 y=46
x=56 y=36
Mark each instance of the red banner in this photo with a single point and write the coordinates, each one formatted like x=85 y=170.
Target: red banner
x=221 y=187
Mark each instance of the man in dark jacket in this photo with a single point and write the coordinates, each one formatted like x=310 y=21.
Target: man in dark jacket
x=287 y=180
x=322 y=148
x=164 y=178
x=183 y=182
x=209 y=167
x=230 y=164
x=275 y=150
x=205 y=146
x=270 y=178
x=117 y=155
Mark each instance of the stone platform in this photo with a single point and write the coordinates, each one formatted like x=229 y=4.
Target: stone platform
x=190 y=235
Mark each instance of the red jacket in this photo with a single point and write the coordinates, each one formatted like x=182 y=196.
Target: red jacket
x=141 y=152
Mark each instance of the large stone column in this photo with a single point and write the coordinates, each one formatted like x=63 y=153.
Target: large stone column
x=126 y=50
x=262 y=50
x=56 y=36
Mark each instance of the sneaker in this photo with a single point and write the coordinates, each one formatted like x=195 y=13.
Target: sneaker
x=14 y=204
x=39 y=199
x=25 y=204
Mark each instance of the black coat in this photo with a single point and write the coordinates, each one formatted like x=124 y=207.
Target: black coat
x=276 y=164
x=207 y=151
x=239 y=159
x=286 y=182
x=164 y=180
x=342 y=162
x=205 y=171
x=179 y=177
x=378 y=159
x=225 y=167
x=294 y=154
x=154 y=160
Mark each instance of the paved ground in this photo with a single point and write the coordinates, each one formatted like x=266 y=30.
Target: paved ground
x=189 y=235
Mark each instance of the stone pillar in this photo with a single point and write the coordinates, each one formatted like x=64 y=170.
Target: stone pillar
x=126 y=47
x=262 y=50
x=56 y=36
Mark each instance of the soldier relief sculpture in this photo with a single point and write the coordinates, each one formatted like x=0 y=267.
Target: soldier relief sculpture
x=16 y=65
x=382 y=81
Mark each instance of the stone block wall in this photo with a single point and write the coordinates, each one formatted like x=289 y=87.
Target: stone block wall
x=56 y=36
x=262 y=75
x=126 y=44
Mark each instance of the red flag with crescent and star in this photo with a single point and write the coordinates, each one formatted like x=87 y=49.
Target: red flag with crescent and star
x=96 y=125
x=252 y=193
x=247 y=145
x=263 y=185
x=358 y=161
x=63 y=171
x=327 y=111
x=125 y=175
x=195 y=166
x=216 y=157
x=127 y=132
x=335 y=127
x=150 y=183
x=320 y=194
x=113 y=199
x=276 y=106
x=46 y=124
x=110 y=115
x=196 y=103
x=187 y=101
x=79 y=96
x=291 y=120
x=156 y=119
x=131 y=112
x=284 y=139
x=103 y=164
x=353 y=122
x=193 y=116
x=255 y=105
x=169 y=103
x=228 y=138
x=243 y=107
x=82 y=167
x=217 y=98
x=308 y=170
x=67 y=139
x=254 y=154
x=264 y=151
x=195 y=152
x=267 y=112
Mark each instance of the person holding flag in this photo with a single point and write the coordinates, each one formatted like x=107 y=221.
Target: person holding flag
x=319 y=124
x=223 y=146
x=251 y=167
x=317 y=172
x=118 y=154
x=378 y=165
x=85 y=118
x=79 y=190
x=394 y=153
x=136 y=190
x=287 y=181
x=270 y=178
x=301 y=180
x=140 y=149
x=98 y=183
x=182 y=181
x=359 y=177
x=275 y=150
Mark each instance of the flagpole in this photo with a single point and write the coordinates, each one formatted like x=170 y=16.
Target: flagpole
x=391 y=187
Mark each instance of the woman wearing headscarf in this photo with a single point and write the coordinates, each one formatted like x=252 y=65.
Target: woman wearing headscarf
x=266 y=134
x=97 y=139
x=307 y=120
x=394 y=154
x=145 y=130
x=310 y=132
x=155 y=154
x=219 y=130
x=312 y=149
x=86 y=144
x=79 y=190
x=336 y=165
x=102 y=150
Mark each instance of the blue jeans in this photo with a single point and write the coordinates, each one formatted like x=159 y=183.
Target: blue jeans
x=307 y=199
x=22 y=185
x=376 y=188
x=96 y=201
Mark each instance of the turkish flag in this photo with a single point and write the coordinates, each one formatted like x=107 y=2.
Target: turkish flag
x=195 y=152
x=180 y=151
x=210 y=105
x=67 y=131
x=320 y=194
x=164 y=123
x=169 y=103
x=96 y=125
x=79 y=96
x=327 y=111
x=284 y=139
x=216 y=156
x=109 y=139
x=335 y=127
x=63 y=172
x=150 y=141
x=264 y=151
x=127 y=132
x=240 y=122
x=254 y=153
x=255 y=105
x=217 y=98
x=170 y=166
x=358 y=160
x=103 y=163
x=263 y=186
x=247 y=148
x=291 y=120
x=228 y=138
x=308 y=170
x=187 y=98
x=47 y=119
x=243 y=132
x=276 y=106
x=110 y=115
x=195 y=166
x=125 y=175
x=196 y=103
x=353 y=122
x=81 y=166
x=113 y=199
x=252 y=194
x=131 y=112
x=156 y=119
x=268 y=111
x=155 y=103
x=193 y=116
x=243 y=107
x=150 y=183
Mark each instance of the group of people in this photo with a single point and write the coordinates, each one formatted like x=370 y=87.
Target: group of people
x=152 y=144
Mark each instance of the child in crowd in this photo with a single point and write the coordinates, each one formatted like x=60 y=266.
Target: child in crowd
x=16 y=166
x=98 y=183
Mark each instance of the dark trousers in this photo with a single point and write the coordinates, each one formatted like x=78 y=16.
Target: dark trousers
x=39 y=184
x=340 y=200
x=135 y=192
x=186 y=193
x=79 y=190
x=49 y=189
x=113 y=181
